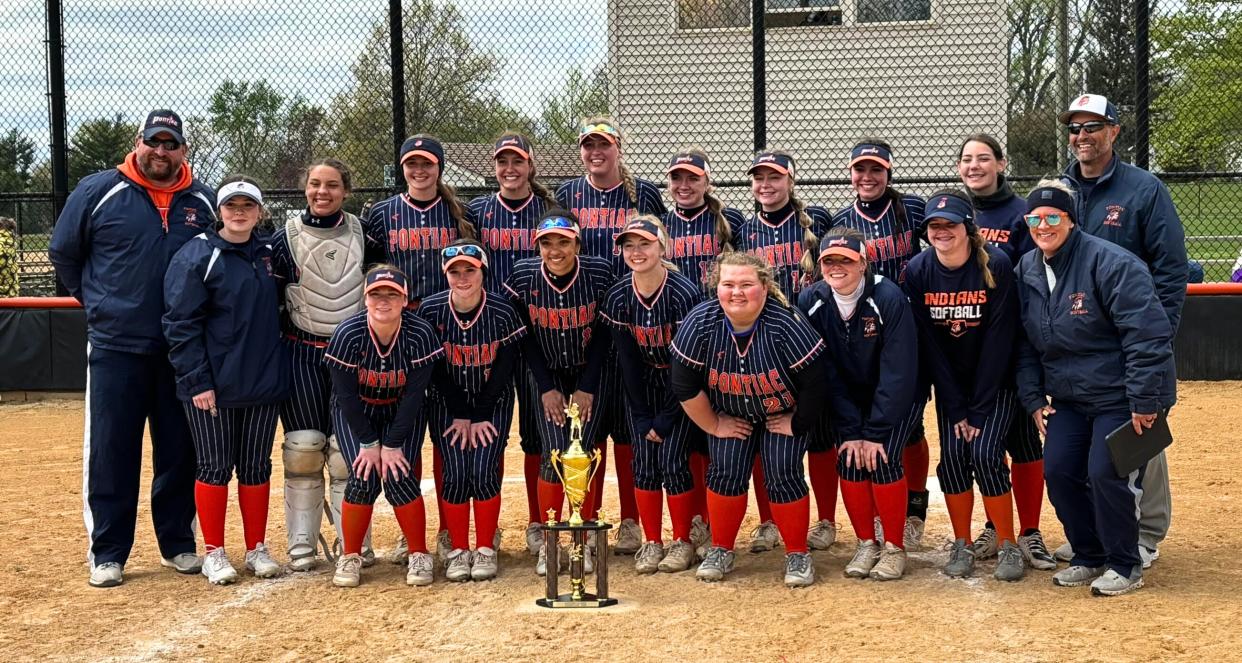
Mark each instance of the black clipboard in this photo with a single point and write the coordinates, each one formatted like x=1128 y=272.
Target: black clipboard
x=1130 y=452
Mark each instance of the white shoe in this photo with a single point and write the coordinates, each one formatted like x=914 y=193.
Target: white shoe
x=368 y=557
x=108 y=574
x=305 y=563
x=822 y=535
x=912 y=537
x=1148 y=556
x=458 y=567
x=700 y=536
x=186 y=562
x=419 y=570
x=260 y=563
x=678 y=557
x=348 y=571
x=588 y=554
x=534 y=538
x=865 y=558
x=217 y=568
x=799 y=571
x=541 y=562
x=444 y=546
x=1035 y=552
x=716 y=565
x=765 y=537
x=629 y=537
x=892 y=564
x=1064 y=553
x=879 y=532
x=484 y=565
x=986 y=544
x=648 y=557
x=400 y=553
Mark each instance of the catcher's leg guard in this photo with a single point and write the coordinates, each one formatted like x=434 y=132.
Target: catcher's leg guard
x=303 y=453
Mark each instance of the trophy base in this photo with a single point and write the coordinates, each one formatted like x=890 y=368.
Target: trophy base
x=567 y=601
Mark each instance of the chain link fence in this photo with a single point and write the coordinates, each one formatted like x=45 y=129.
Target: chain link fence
x=265 y=87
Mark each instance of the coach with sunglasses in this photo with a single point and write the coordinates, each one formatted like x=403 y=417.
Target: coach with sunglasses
x=111 y=246
x=1131 y=208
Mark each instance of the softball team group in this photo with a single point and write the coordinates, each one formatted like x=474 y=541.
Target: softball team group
x=712 y=346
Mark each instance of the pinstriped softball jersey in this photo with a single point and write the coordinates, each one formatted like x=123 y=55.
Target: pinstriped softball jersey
x=412 y=238
x=888 y=251
x=602 y=213
x=561 y=320
x=692 y=242
x=777 y=238
x=507 y=232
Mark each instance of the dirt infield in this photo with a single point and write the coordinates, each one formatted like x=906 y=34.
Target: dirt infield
x=1189 y=609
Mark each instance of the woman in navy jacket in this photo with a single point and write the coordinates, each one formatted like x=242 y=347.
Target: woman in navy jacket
x=1100 y=345
x=223 y=329
x=866 y=323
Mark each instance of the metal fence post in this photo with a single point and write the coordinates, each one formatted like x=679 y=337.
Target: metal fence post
x=1142 y=88
x=56 y=113
x=758 y=48
x=397 y=38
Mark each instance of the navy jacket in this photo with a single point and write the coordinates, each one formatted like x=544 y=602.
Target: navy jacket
x=222 y=323
x=111 y=249
x=1131 y=208
x=874 y=353
x=1099 y=340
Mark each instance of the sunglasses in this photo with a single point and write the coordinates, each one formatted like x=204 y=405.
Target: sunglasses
x=1089 y=127
x=168 y=144
x=1053 y=219
x=599 y=128
x=469 y=250
x=557 y=222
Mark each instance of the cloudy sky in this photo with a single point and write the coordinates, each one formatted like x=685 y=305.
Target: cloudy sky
x=127 y=56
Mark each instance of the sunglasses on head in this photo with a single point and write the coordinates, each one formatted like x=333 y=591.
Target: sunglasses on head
x=469 y=250
x=598 y=128
x=166 y=143
x=1052 y=219
x=556 y=222
x=1089 y=127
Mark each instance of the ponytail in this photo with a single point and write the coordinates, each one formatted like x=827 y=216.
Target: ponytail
x=899 y=209
x=465 y=229
x=627 y=178
x=541 y=191
x=980 y=247
x=810 y=243
x=724 y=234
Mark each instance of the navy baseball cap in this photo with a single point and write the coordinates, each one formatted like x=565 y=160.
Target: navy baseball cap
x=1094 y=104
x=948 y=207
x=642 y=227
x=688 y=162
x=871 y=152
x=781 y=163
x=516 y=144
x=849 y=247
x=425 y=146
x=163 y=121
x=387 y=278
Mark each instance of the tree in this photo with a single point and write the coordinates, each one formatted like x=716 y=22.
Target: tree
x=16 y=158
x=448 y=91
x=257 y=130
x=1110 y=64
x=99 y=145
x=583 y=96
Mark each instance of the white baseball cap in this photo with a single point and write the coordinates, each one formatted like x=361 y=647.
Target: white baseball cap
x=1090 y=103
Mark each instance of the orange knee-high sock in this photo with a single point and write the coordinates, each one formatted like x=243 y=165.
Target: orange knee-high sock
x=698 y=470
x=412 y=519
x=761 y=492
x=822 y=466
x=960 y=506
x=355 y=519
x=624 y=456
x=680 y=512
x=457 y=520
x=1028 y=492
x=253 y=501
x=530 y=469
x=861 y=508
x=792 y=519
x=486 y=521
x=437 y=475
x=1000 y=512
x=727 y=513
x=551 y=497
x=890 y=501
x=914 y=461
x=651 y=513
x=212 y=503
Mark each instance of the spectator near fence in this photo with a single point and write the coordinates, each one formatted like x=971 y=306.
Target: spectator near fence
x=8 y=257
x=1129 y=207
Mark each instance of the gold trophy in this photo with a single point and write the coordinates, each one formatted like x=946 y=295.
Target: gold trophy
x=575 y=467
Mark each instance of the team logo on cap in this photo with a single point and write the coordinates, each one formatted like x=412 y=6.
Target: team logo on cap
x=767 y=157
x=418 y=143
x=1045 y=195
x=384 y=275
x=165 y=119
x=868 y=150
x=509 y=141
x=944 y=200
x=1083 y=100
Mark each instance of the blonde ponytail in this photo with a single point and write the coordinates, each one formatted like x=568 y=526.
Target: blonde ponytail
x=810 y=243
x=465 y=229
x=980 y=247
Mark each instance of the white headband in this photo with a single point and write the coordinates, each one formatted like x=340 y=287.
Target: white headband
x=238 y=189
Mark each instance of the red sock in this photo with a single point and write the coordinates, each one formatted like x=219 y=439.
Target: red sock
x=861 y=508
x=792 y=519
x=890 y=501
x=412 y=518
x=823 y=471
x=681 y=512
x=727 y=514
x=551 y=496
x=355 y=519
x=457 y=520
x=437 y=475
x=1028 y=492
x=915 y=462
x=761 y=492
x=486 y=520
x=253 y=501
x=595 y=496
x=960 y=506
x=651 y=510
x=212 y=502
x=1000 y=512
x=698 y=470
x=530 y=468
x=624 y=455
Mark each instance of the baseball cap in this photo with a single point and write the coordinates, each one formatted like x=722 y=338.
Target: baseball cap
x=557 y=225
x=688 y=162
x=641 y=227
x=426 y=147
x=849 y=247
x=161 y=121
x=472 y=254
x=516 y=144
x=386 y=278
x=781 y=163
x=1090 y=103
x=603 y=129
x=234 y=189
x=871 y=152
x=948 y=207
